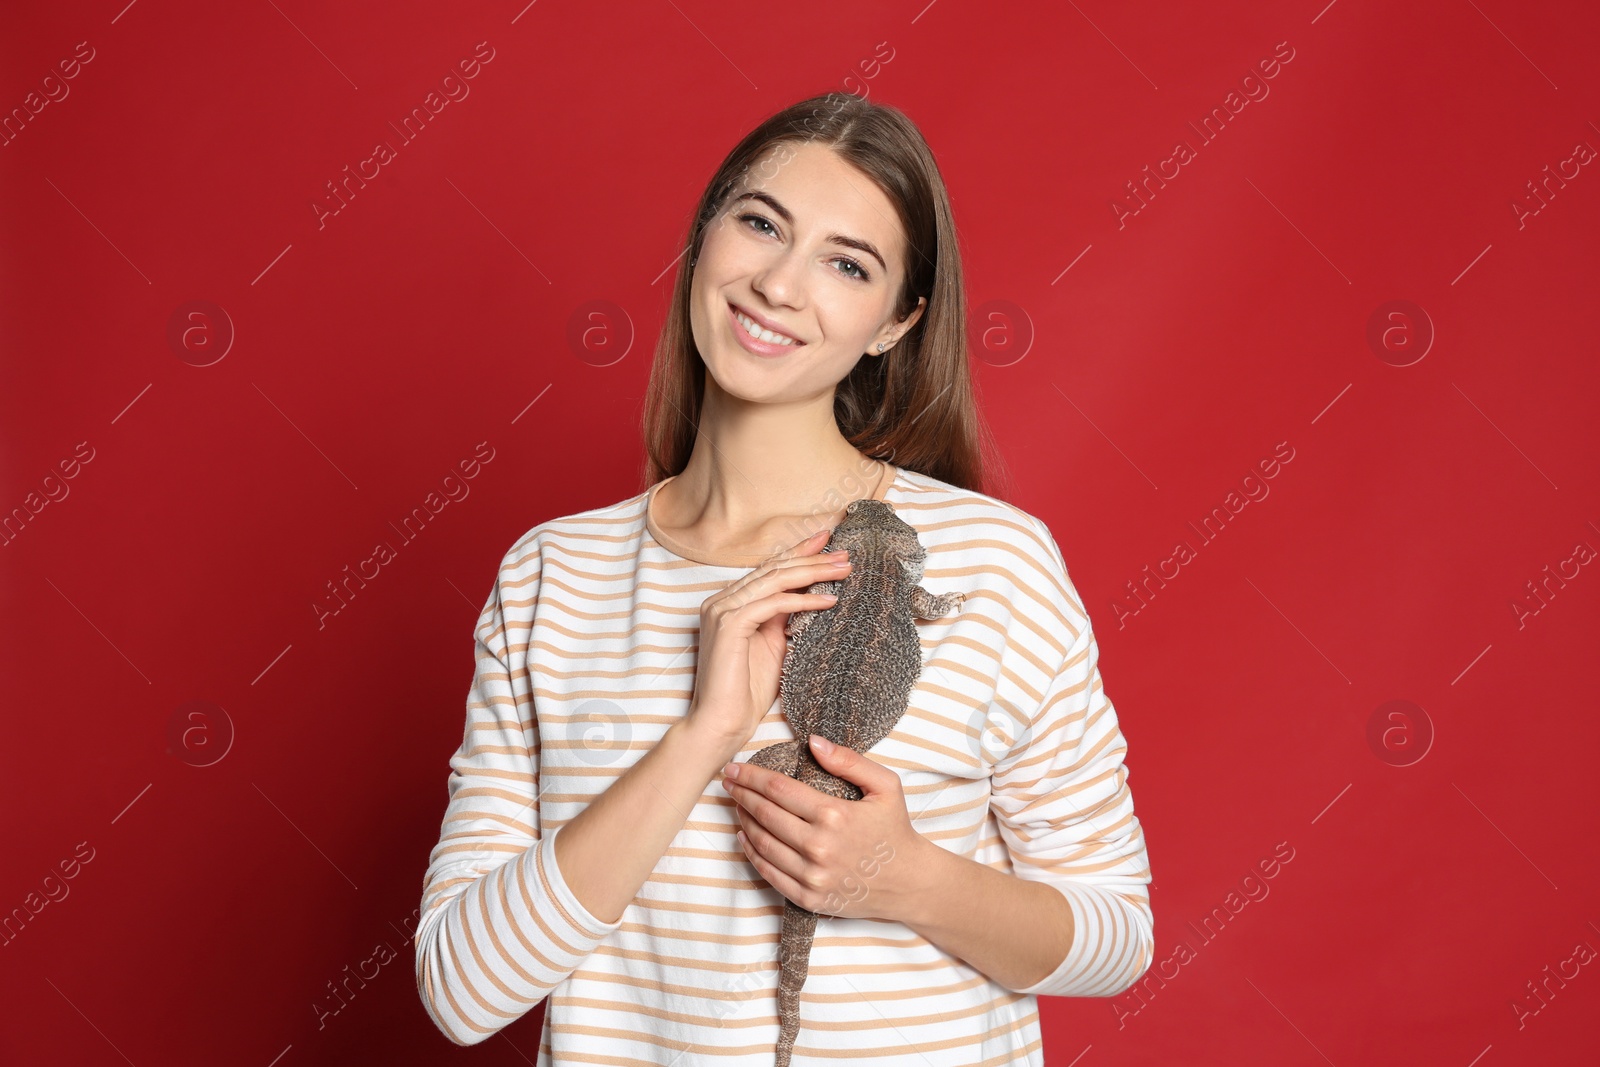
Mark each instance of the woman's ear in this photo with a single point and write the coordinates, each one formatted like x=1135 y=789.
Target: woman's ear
x=916 y=313
x=910 y=320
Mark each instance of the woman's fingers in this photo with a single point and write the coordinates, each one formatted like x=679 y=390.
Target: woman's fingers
x=796 y=566
x=737 y=675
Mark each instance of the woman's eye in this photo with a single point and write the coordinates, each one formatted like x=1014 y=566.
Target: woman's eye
x=861 y=271
x=758 y=219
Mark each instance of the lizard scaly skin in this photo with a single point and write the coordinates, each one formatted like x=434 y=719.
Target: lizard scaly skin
x=847 y=675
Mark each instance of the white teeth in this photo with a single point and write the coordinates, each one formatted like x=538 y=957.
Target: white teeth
x=760 y=333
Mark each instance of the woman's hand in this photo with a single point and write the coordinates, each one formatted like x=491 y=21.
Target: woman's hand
x=850 y=858
x=742 y=642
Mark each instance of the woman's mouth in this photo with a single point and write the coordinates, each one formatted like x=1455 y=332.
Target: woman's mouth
x=754 y=338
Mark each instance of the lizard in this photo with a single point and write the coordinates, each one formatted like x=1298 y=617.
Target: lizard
x=847 y=675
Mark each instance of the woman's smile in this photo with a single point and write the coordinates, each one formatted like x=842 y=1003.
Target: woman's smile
x=762 y=345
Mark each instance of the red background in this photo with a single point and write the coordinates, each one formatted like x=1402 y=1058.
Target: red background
x=373 y=353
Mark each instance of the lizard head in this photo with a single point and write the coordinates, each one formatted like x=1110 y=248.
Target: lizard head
x=871 y=527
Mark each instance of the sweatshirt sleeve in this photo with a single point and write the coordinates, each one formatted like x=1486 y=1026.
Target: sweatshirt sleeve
x=499 y=926
x=1062 y=803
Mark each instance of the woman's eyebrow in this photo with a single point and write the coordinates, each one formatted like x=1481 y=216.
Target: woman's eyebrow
x=834 y=238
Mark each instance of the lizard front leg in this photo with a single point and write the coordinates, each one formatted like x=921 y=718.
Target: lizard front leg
x=927 y=606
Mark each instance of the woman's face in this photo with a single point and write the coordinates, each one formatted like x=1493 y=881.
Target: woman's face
x=797 y=246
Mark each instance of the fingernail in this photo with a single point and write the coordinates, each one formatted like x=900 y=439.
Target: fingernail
x=821 y=744
x=731 y=770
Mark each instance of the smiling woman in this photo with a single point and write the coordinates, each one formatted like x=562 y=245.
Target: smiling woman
x=592 y=856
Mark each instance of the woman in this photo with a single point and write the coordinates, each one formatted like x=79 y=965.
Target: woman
x=595 y=849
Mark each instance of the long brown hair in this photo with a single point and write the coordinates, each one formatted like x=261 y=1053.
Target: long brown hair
x=912 y=406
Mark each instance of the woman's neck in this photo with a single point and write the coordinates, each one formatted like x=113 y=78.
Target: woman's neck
x=760 y=475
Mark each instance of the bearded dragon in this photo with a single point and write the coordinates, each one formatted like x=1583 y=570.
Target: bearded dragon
x=847 y=675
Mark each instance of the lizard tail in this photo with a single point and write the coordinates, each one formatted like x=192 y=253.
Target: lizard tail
x=794 y=962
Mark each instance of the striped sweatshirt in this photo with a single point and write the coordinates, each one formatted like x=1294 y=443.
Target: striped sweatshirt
x=1009 y=754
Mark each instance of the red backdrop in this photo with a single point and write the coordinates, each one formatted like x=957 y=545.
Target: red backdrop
x=1308 y=403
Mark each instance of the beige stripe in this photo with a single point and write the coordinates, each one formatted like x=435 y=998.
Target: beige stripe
x=856 y=1052
x=626 y=981
x=599 y=1004
x=1008 y=1059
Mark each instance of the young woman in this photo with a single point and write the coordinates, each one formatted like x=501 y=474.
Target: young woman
x=597 y=851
